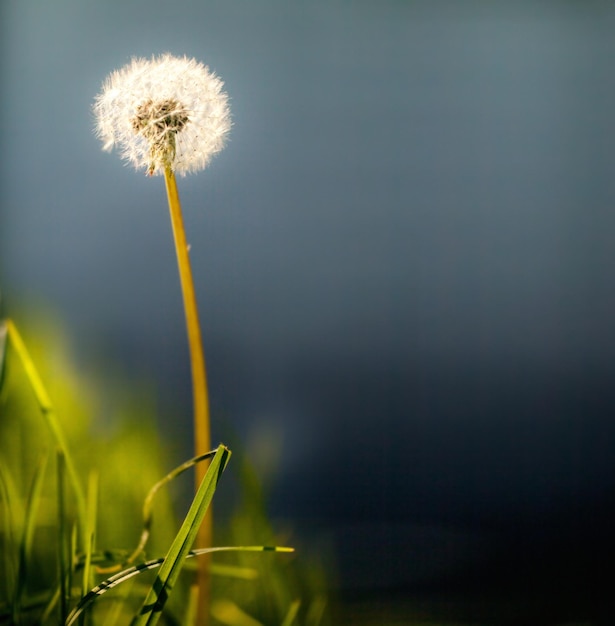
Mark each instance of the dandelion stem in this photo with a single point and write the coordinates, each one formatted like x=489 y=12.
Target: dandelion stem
x=202 y=443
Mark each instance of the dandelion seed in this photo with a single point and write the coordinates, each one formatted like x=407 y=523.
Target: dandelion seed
x=164 y=112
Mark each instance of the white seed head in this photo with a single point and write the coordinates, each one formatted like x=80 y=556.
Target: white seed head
x=164 y=112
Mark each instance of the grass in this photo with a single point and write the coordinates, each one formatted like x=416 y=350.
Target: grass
x=63 y=547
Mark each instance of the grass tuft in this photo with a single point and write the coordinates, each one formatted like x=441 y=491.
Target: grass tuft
x=51 y=553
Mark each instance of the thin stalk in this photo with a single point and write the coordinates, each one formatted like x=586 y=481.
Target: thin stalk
x=200 y=395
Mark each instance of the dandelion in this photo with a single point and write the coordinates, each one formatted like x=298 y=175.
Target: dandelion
x=169 y=115
x=164 y=112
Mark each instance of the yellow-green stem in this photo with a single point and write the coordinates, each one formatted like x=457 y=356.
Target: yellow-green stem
x=202 y=442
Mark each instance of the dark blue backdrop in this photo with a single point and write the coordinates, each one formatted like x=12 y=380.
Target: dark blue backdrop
x=404 y=258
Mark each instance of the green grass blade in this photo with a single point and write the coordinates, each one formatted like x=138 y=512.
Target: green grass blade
x=135 y=570
x=62 y=556
x=13 y=525
x=51 y=605
x=48 y=412
x=92 y=502
x=149 y=499
x=3 y=335
x=25 y=544
x=117 y=607
x=169 y=570
x=292 y=613
x=316 y=611
x=72 y=563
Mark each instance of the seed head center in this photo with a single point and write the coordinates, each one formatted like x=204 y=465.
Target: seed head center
x=159 y=121
x=156 y=119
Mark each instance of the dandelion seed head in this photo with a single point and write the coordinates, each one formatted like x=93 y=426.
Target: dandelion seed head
x=163 y=112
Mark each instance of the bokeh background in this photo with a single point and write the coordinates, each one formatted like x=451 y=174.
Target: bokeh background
x=404 y=262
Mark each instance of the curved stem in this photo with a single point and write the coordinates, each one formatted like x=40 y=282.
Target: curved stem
x=202 y=442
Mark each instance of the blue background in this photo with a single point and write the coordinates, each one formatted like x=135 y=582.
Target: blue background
x=404 y=261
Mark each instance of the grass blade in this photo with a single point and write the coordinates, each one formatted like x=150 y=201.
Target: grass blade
x=25 y=544
x=48 y=412
x=3 y=335
x=13 y=525
x=292 y=613
x=127 y=574
x=149 y=500
x=92 y=503
x=169 y=570
x=62 y=559
x=316 y=611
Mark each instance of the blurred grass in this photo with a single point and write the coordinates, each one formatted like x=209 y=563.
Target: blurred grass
x=126 y=449
x=116 y=450
x=119 y=455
